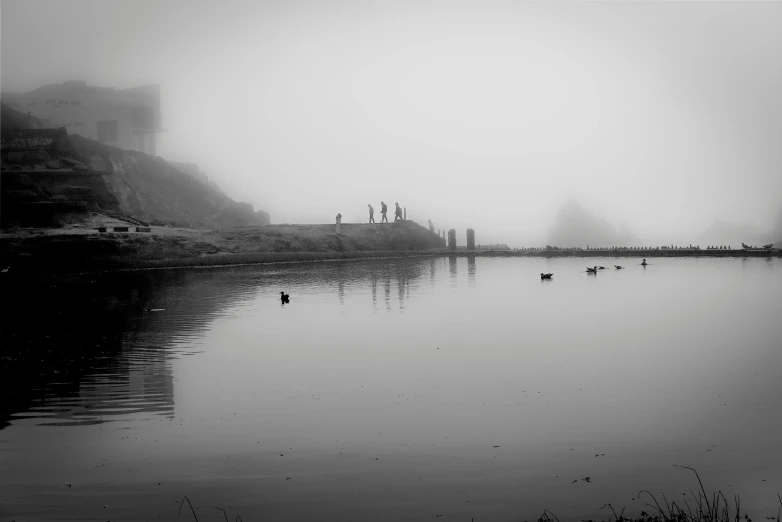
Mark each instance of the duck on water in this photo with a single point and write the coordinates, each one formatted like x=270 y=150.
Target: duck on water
x=545 y=276
x=284 y=297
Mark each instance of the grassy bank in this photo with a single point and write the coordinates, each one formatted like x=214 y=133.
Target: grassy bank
x=78 y=250
x=84 y=250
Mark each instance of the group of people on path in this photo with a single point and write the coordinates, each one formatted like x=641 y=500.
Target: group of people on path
x=398 y=215
x=383 y=210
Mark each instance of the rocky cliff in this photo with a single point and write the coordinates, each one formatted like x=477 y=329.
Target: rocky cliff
x=577 y=227
x=154 y=190
x=50 y=177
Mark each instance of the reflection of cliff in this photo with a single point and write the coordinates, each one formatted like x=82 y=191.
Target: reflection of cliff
x=95 y=352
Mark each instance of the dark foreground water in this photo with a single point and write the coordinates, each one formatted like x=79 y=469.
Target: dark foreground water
x=391 y=390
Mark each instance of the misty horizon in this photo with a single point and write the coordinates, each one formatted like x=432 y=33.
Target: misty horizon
x=663 y=118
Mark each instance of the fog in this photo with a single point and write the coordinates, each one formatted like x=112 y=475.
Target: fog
x=662 y=116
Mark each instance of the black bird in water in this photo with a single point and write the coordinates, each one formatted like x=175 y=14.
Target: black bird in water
x=643 y=263
x=545 y=276
x=601 y=268
x=591 y=270
x=618 y=267
x=284 y=297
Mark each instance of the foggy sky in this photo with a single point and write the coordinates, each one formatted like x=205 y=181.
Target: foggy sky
x=663 y=116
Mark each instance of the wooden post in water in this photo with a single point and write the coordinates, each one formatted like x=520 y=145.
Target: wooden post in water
x=452 y=239
x=405 y=218
x=470 y=239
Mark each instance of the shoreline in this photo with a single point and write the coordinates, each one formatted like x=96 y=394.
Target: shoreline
x=281 y=258
x=84 y=251
x=102 y=265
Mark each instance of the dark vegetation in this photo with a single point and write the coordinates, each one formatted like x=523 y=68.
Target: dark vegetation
x=699 y=507
x=76 y=253
x=50 y=177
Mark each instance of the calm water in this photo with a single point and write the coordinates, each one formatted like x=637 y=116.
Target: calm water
x=392 y=390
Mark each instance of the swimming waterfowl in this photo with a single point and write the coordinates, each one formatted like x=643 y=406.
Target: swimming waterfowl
x=545 y=276
x=592 y=270
x=284 y=297
x=601 y=268
x=643 y=263
x=618 y=267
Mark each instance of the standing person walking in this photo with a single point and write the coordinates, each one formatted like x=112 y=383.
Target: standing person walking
x=398 y=213
x=383 y=210
x=339 y=221
x=371 y=214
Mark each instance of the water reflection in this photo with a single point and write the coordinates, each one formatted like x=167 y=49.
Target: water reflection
x=356 y=402
x=452 y=269
x=96 y=351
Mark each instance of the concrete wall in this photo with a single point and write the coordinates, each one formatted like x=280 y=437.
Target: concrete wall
x=79 y=107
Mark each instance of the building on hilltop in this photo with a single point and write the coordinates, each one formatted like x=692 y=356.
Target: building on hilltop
x=125 y=118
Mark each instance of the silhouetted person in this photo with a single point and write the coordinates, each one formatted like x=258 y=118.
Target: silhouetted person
x=398 y=213
x=431 y=227
x=371 y=214
x=383 y=210
x=339 y=221
x=284 y=297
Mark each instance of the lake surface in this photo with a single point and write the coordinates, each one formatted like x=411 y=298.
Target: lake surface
x=392 y=390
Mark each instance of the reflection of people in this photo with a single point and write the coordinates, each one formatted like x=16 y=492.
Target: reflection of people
x=339 y=221
x=383 y=210
x=398 y=213
x=431 y=226
x=371 y=214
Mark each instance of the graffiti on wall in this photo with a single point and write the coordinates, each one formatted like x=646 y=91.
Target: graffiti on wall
x=22 y=143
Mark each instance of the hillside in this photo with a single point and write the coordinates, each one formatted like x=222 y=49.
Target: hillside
x=732 y=233
x=150 y=188
x=575 y=226
x=51 y=178
x=11 y=119
x=86 y=249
